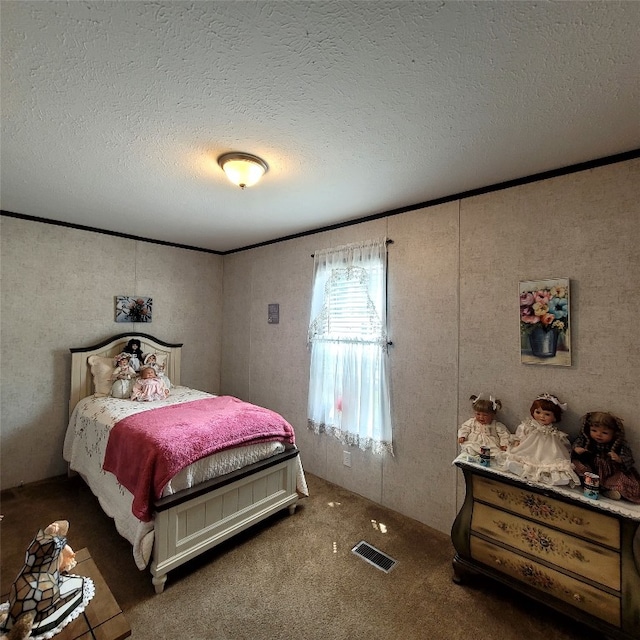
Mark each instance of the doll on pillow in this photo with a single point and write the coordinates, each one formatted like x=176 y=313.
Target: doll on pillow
x=149 y=386
x=134 y=349
x=123 y=376
x=151 y=360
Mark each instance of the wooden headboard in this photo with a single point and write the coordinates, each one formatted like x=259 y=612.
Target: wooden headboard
x=81 y=378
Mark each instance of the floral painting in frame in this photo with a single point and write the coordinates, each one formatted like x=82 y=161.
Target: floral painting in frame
x=133 y=309
x=545 y=336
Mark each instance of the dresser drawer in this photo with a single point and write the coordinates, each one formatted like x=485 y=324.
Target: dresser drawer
x=567 y=552
x=571 y=518
x=598 y=603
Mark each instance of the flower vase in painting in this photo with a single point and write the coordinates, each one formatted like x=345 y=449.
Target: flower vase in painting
x=544 y=322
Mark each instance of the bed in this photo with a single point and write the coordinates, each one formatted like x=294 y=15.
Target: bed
x=203 y=504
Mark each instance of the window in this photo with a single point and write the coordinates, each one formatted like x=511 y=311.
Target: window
x=349 y=380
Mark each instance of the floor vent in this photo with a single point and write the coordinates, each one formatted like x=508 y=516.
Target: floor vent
x=374 y=556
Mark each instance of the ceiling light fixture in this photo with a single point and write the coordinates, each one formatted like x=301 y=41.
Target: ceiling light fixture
x=243 y=169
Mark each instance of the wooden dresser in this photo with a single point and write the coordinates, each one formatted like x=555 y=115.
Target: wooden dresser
x=569 y=552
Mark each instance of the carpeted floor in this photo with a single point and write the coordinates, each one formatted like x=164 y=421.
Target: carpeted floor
x=291 y=578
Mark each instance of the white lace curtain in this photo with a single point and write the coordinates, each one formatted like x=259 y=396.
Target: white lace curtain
x=349 y=381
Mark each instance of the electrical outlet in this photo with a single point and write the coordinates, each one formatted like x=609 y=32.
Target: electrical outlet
x=346 y=458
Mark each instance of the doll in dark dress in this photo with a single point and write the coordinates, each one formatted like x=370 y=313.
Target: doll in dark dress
x=134 y=348
x=601 y=448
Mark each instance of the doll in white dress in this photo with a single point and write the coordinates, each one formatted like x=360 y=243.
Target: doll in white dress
x=123 y=376
x=483 y=430
x=539 y=451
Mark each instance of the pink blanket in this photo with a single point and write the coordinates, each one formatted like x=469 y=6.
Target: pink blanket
x=146 y=450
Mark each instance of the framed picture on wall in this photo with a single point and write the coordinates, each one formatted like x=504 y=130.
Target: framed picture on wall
x=133 y=309
x=545 y=328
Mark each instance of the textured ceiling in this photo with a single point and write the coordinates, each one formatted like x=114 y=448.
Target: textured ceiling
x=113 y=113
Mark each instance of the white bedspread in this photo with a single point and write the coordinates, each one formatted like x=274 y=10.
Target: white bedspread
x=84 y=448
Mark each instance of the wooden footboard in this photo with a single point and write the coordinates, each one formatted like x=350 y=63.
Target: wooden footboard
x=198 y=519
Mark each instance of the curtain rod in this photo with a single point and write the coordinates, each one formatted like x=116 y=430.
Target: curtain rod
x=313 y=255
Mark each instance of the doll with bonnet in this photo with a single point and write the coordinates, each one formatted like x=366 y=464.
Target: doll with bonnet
x=123 y=376
x=151 y=360
x=601 y=448
x=483 y=430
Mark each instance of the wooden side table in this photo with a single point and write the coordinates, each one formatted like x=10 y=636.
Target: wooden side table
x=102 y=619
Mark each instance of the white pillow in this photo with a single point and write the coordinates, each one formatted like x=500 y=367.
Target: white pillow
x=101 y=370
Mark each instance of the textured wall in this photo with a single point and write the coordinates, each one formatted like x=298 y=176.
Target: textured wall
x=585 y=227
x=58 y=288
x=453 y=277
x=453 y=283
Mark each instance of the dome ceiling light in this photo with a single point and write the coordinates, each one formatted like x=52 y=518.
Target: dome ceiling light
x=243 y=169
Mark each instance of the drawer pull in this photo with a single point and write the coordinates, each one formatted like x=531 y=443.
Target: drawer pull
x=577 y=597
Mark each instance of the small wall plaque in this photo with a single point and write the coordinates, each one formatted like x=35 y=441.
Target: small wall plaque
x=274 y=313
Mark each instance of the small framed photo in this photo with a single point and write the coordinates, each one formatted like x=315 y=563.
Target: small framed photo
x=545 y=336
x=133 y=309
